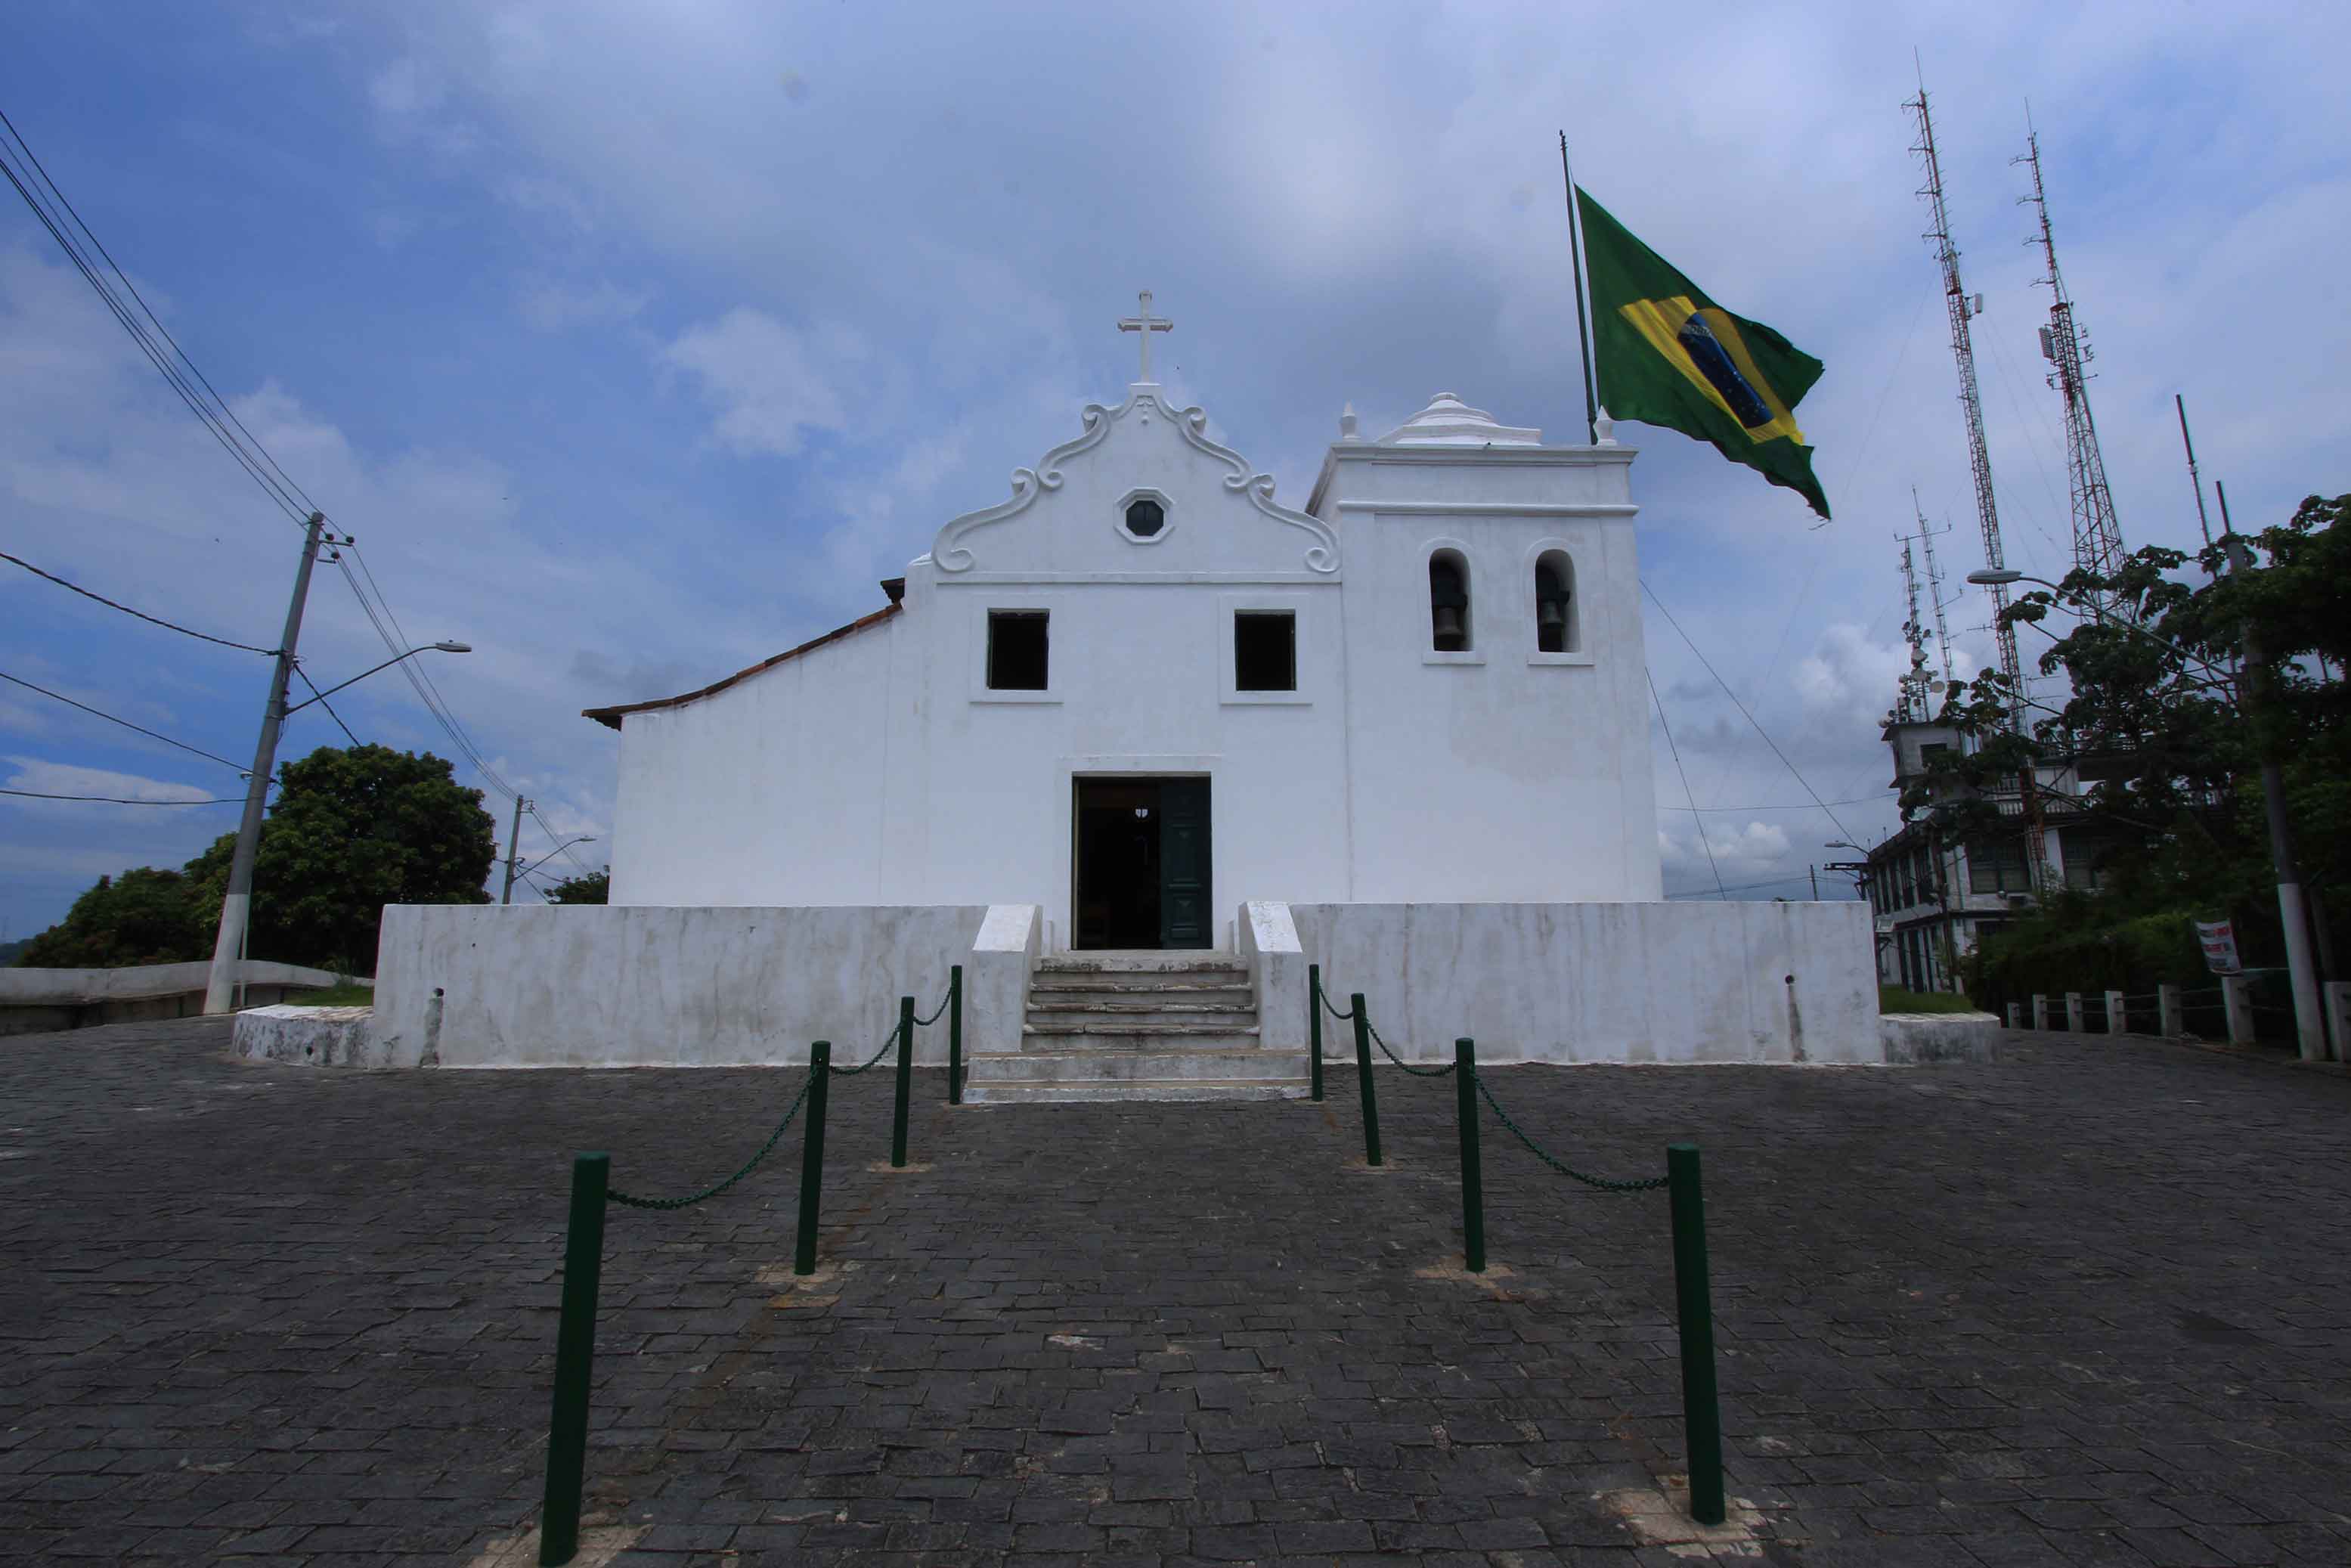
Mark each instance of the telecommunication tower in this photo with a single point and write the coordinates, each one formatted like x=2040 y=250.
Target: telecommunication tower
x=1917 y=681
x=1934 y=584
x=2098 y=538
x=1961 y=306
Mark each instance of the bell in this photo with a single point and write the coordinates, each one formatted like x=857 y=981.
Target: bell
x=1447 y=622
x=1550 y=615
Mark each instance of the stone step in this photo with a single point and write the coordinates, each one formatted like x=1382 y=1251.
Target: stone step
x=1143 y=1010
x=1182 y=960
x=1099 y=1034
x=1047 y=1078
x=1138 y=1092
x=1203 y=983
x=1252 y=1065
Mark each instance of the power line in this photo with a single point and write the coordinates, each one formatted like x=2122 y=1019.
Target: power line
x=1732 y=810
x=282 y=484
x=110 y=604
x=1742 y=708
x=323 y=702
x=1676 y=750
x=122 y=800
x=179 y=384
x=214 y=412
x=1743 y=887
x=125 y=722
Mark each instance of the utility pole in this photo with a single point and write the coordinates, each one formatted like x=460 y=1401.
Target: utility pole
x=1816 y=883
x=514 y=845
x=237 y=904
x=2309 y=1022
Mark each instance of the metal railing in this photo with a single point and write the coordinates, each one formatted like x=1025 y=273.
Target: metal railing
x=593 y=1194
x=1694 y=1311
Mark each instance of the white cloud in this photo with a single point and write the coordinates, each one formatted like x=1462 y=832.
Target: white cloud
x=40 y=775
x=413 y=105
x=552 y=306
x=1848 y=674
x=766 y=382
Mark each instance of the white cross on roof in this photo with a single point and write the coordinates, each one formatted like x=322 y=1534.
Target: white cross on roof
x=1144 y=323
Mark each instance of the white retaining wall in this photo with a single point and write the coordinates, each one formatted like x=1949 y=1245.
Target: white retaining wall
x=624 y=986
x=1599 y=982
x=484 y=986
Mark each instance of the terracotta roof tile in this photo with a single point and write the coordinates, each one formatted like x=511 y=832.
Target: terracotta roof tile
x=611 y=716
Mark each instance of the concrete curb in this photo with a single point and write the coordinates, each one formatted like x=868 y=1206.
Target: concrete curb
x=307 y=1037
x=1914 y=1039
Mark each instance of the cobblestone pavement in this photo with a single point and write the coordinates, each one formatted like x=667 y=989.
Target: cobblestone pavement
x=2087 y=1305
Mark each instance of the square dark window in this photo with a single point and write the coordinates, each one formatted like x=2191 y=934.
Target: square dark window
x=1016 y=650
x=1265 y=651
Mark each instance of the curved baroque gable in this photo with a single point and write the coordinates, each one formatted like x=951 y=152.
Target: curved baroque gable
x=952 y=555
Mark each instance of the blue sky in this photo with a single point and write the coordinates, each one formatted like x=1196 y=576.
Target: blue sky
x=636 y=342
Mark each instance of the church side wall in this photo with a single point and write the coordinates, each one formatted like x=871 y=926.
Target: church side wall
x=1607 y=982
x=770 y=792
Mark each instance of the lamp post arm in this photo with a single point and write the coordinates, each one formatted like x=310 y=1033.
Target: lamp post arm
x=2197 y=660
x=526 y=871
x=364 y=675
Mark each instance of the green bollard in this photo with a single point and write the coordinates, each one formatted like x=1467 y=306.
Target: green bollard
x=1701 y=1410
x=1364 y=1080
x=905 y=1080
x=575 y=1356
x=955 y=1035
x=1314 y=1028
x=1473 y=1176
x=812 y=1157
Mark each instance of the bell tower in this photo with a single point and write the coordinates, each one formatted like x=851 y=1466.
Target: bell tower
x=1498 y=705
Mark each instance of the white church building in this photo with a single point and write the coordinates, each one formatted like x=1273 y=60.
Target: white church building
x=1141 y=718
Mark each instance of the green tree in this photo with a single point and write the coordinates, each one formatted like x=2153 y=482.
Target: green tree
x=142 y=917
x=2179 y=809
x=589 y=887
x=351 y=831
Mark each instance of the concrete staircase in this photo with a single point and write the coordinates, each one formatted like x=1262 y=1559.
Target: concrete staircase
x=1138 y=1026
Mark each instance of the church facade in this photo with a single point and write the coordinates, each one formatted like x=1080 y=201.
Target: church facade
x=1141 y=691
x=1124 y=757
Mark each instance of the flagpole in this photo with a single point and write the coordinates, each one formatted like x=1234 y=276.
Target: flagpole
x=1582 y=332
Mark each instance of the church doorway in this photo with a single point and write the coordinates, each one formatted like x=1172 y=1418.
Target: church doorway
x=1141 y=863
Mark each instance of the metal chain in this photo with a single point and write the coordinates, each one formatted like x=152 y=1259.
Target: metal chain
x=947 y=997
x=887 y=1041
x=1602 y=1183
x=628 y=1200
x=1324 y=998
x=1400 y=1062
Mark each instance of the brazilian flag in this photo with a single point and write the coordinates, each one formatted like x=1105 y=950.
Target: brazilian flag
x=1668 y=355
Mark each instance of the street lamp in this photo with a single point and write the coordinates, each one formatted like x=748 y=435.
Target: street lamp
x=2309 y=1025
x=513 y=870
x=237 y=904
x=441 y=647
x=2004 y=576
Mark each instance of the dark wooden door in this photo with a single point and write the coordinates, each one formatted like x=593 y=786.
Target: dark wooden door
x=1183 y=859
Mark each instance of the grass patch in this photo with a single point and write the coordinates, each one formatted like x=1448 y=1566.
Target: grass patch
x=333 y=997
x=1895 y=999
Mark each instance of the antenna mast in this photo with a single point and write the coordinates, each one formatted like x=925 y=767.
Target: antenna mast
x=1934 y=584
x=1914 y=707
x=1971 y=402
x=2098 y=538
x=1979 y=460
